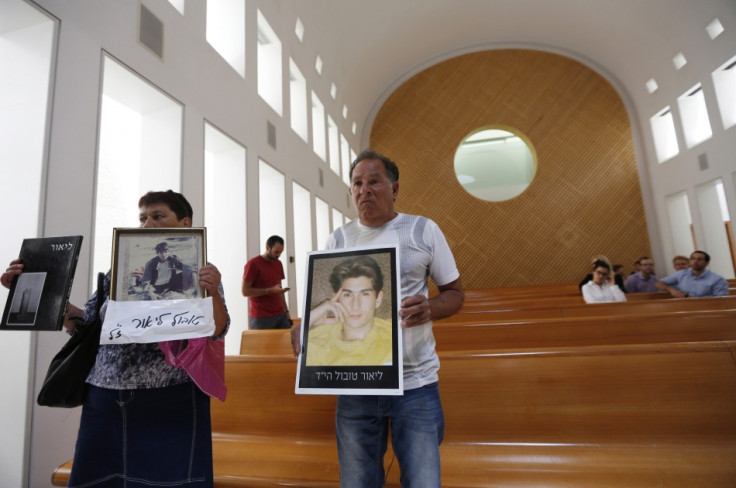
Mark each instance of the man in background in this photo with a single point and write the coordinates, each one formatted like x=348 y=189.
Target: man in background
x=696 y=281
x=644 y=280
x=262 y=285
x=680 y=263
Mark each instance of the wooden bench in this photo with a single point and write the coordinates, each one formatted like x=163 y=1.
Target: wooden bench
x=603 y=326
x=594 y=416
x=581 y=309
x=591 y=416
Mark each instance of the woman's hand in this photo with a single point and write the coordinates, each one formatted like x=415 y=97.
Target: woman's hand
x=14 y=269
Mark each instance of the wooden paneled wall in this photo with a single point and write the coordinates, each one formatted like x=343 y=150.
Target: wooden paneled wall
x=585 y=198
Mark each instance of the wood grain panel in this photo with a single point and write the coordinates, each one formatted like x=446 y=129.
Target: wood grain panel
x=585 y=199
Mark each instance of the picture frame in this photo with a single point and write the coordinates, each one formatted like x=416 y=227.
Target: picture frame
x=157 y=263
x=351 y=333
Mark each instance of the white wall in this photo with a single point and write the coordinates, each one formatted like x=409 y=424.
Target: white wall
x=682 y=172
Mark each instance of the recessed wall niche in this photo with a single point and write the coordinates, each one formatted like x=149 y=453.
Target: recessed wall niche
x=585 y=198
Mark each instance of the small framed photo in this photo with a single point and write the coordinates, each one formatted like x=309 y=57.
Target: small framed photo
x=351 y=337
x=157 y=263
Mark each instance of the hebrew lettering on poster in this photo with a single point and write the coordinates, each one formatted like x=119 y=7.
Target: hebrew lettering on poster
x=157 y=320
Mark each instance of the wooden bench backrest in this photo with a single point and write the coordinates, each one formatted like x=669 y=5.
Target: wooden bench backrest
x=684 y=393
x=261 y=400
x=471 y=316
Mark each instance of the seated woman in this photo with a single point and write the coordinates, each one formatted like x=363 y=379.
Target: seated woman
x=618 y=278
x=601 y=288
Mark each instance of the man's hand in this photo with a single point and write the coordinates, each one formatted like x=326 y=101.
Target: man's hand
x=277 y=289
x=328 y=312
x=415 y=310
x=296 y=334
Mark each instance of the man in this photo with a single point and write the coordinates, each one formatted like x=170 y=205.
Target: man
x=262 y=285
x=643 y=280
x=164 y=272
x=696 y=281
x=344 y=331
x=415 y=419
x=680 y=263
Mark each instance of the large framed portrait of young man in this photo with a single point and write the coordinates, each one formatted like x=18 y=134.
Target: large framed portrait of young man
x=351 y=336
x=154 y=286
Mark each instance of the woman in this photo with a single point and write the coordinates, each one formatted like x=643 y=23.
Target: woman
x=602 y=289
x=144 y=422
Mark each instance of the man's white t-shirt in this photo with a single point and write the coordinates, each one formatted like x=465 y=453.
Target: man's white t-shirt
x=423 y=252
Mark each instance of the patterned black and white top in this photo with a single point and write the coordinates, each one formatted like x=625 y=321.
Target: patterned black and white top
x=133 y=366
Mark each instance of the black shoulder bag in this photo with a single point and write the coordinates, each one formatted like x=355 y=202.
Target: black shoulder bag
x=65 y=384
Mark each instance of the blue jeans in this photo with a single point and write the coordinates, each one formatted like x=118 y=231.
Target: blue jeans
x=275 y=322
x=417 y=427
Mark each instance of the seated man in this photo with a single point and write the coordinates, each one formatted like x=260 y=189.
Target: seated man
x=163 y=273
x=680 y=263
x=602 y=289
x=643 y=280
x=696 y=281
x=344 y=331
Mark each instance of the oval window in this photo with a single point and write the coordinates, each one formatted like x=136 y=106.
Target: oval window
x=495 y=163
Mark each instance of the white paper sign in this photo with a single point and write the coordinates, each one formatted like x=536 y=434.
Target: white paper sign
x=157 y=320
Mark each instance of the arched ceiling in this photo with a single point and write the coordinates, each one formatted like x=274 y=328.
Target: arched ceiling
x=370 y=47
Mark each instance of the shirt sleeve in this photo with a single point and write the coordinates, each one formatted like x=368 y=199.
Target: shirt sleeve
x=720 y=289
x=442 y=269
x=618 y=293
x=672 y=279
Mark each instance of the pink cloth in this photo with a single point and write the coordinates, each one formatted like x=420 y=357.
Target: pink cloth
x=203 y=359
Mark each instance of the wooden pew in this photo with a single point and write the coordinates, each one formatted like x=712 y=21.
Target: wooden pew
x=591 y=416
x=582 y=309
x=606 y=324
x=595 y=416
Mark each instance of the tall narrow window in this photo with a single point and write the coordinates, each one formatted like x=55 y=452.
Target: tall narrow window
x=139 y=150
x=319 y=143
x=226 y=31
x=694 y=116
x=663 y=132
x=272 y=209
x=681 y=224
x=724 y=80
x=225 y=218
x=345 y=154
x=298 y=97
x=269 y=65
x=27 y=46
x=322 y=219
x=716 y=223
x=333 y=145
x=302 y=239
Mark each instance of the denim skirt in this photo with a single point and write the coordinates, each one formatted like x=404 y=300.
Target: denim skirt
x=144 y=438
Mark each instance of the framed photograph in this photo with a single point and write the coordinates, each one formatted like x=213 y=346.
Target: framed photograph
x=351 y=337
x=157 y=263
